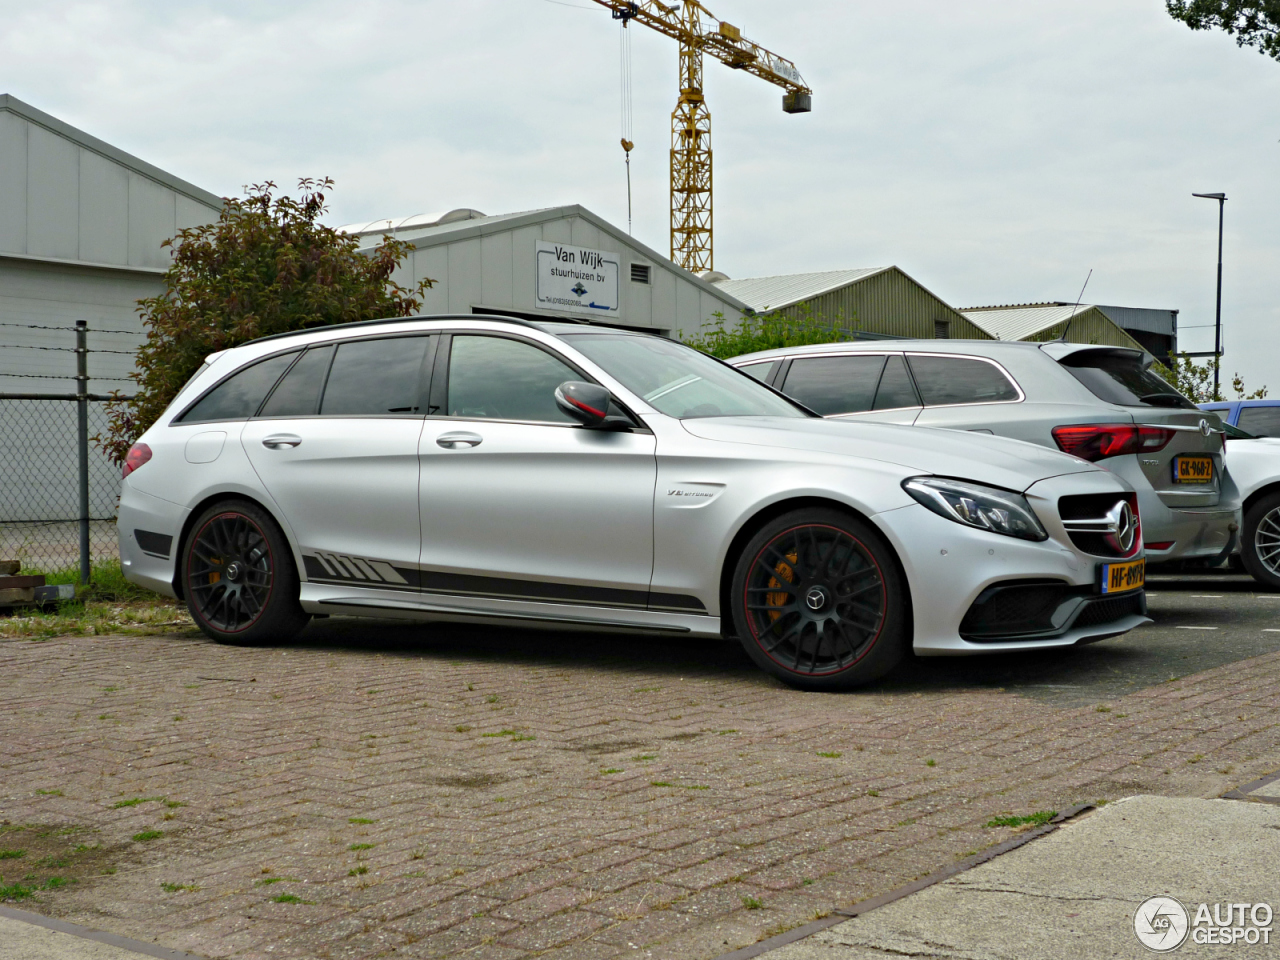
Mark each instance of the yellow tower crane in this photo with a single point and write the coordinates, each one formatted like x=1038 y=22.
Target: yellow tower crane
x=697 y=31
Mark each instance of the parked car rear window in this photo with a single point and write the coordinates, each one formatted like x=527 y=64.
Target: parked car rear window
x=298 y=394
x=945 y=380
x=1120 y=377
x=896 y=389
x=501 y=379
x=376 y=378
x=829 y=385
x=239 y=396
x=1260 y=421
x=761 y=371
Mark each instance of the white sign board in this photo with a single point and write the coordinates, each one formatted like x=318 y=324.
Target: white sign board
x=577 y=279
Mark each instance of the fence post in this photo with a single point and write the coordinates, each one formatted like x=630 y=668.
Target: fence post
x=82 y=441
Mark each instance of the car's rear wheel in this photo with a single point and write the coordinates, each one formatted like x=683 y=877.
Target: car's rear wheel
x=1260 y=541
x=239 y=577
x=818 y=601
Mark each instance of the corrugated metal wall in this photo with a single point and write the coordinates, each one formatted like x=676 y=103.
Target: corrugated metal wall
x=1090 y=326
x=888 y=303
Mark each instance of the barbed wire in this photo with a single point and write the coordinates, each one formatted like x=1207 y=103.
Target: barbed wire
x=27 y=346
x=41 y=326
x=52 y=376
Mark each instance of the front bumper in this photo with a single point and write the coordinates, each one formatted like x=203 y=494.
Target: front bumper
x=949 y=566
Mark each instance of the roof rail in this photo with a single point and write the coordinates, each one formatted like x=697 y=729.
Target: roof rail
x=365 y=323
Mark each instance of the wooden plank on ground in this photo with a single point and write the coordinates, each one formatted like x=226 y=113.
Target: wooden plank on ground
x=21 y=595
x=20 y=583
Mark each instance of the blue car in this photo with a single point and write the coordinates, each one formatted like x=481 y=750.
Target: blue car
x=1258 y=417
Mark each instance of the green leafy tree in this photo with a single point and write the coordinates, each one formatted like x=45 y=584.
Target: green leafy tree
x=1195 y=381
x=765 y=331
x=267 y=265
x=1252 y=24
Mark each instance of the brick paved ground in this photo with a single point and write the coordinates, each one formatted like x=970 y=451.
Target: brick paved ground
x=459 y=792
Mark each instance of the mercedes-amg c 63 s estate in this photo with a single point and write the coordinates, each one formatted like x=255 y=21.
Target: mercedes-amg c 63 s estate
x=504 y=471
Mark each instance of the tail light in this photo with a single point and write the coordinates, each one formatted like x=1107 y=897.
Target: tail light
x=139 y=454
x=1097 y=441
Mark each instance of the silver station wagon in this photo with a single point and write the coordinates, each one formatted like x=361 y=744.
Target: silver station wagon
x=502 y=471
x=1103 y=404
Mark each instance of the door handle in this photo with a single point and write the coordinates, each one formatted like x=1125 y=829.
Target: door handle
x=281 y=440
x=452 y=441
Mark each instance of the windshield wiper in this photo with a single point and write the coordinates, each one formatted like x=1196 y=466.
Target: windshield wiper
x=1163 y=399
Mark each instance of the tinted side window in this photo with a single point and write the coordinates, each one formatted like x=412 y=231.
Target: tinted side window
x=945 y=380
x=829 y=385
x=239 y=396
x=1260 y=421
x=761 y=371
x=896 y=389
x=298 y=394
x=375 y=378
x=501 y=379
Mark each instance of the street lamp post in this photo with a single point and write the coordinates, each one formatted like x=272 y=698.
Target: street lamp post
x=1217 y=319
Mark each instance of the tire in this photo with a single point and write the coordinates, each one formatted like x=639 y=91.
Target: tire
x=1260 y=541
x=818 y=602
x=239 y=577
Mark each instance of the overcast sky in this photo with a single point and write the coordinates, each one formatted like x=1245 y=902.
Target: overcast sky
x=996 y=151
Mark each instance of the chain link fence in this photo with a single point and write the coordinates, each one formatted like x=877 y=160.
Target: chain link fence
x=58 y=491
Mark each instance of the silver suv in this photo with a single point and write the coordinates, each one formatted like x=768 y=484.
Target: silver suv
x=1103 y=404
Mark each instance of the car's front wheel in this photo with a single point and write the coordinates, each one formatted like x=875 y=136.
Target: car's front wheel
x=239 y=578
x=818 y=601
x=1260 y=541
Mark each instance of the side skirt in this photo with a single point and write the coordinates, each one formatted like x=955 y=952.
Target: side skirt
x=400 y=604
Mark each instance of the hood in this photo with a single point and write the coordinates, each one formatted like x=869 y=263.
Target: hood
x=997 y=461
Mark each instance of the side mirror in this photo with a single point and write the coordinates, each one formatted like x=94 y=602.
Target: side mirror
x=588 y=403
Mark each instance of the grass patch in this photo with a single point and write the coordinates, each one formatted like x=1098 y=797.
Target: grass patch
x=362 y=846
x=12 y=854
x=15 y=891
x=832 y=754
x=647 y=756
x=610 y=770
x=1039 y=819
x=179 y=887
x=931 y=763
x=463 y=728
x=146 y=835
x=49 y=793
x=359 y=871
x=752 y=903
x=359 y=820
x=290 y=898
x=267 y=881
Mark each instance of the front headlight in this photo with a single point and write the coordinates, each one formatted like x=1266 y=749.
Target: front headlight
x=977 y=505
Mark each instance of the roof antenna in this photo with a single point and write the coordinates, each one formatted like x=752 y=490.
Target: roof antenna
x=1062 y=337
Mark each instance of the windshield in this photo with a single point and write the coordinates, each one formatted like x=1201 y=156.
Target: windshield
x=1120 y=377
x=678 y=380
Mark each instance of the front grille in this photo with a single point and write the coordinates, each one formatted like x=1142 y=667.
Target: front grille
x=1042 y=610
x=1111 y=609
x=1093 y=506
x=1015 y=610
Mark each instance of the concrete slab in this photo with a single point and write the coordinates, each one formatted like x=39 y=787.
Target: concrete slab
x=28 y=936
x=1073 y=893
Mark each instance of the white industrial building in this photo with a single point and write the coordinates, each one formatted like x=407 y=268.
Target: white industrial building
x=559 y=262
x=81 y=228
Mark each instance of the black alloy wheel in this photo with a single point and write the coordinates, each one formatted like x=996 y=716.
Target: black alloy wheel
x=1260 y=541
x=818 y=601
x=239 y=577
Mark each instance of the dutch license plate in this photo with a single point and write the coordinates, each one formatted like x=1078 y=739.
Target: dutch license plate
x=1119 y=577
x=1192 y=469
